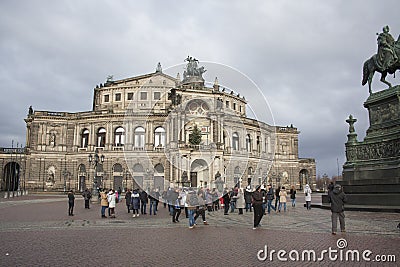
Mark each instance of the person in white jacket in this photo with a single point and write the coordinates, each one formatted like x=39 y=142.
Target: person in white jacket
x=111 y=203
x=307 y=196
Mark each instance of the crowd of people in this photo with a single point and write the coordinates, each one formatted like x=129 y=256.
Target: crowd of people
x=194 y=202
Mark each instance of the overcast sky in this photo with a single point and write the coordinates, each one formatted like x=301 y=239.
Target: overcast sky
x=305 y=56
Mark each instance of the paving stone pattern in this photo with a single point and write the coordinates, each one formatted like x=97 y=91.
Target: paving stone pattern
x=37 y=231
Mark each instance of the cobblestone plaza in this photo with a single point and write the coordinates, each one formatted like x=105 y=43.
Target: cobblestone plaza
x=36 y=231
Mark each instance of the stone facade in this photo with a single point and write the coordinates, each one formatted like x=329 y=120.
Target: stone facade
x=140 y=128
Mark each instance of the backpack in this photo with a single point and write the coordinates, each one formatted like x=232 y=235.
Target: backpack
x=193 y=200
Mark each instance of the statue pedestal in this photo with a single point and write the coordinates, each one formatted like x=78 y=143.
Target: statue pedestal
x=371 y=174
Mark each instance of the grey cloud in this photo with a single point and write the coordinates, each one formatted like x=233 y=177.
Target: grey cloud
x=306 y=57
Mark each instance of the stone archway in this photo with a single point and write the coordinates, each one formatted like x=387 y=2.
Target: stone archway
x=11 y=177
x=199 y=173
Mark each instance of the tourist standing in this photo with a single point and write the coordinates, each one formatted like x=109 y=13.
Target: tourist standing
x=87 y=196
x=277 y=197
x=103 y=203
x=270 y=198
x=209 y=200
x=201 y=208
x=179 y=205
x=128 y=198
x=111 y=203
x=173 y=197
x=216 y=196
x=119 y=193
x=330 y=188
x=191 y=202
x=226 y=198
x=282 y=199
x=157 y=198
x=135 y=202
x=240 y=202
x=307 y=196
x=257 y=205
x=144 y=199
x=293 y=196
x=247 y=198
x=337 y=199
x=153 y=202
x=232 y=195
x=71 y=203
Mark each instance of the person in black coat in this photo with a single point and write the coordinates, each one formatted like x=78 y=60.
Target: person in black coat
x=277 y=196
x=87 y=196
x=337 y=199
x=173 y=198
x=257 y=205
x=128 y=198
x=144 y=199
x=247 y=198
x=227 y=199
x=71 y=203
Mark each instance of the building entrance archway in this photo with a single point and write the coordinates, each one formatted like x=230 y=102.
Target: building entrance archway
x=11 y=177
x=199 y=173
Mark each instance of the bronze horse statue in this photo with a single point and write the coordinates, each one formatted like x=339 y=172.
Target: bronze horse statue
x=370 y=66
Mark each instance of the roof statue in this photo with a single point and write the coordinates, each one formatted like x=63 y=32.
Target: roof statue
x=159 y=68
x=193 y=73
x=385 y=61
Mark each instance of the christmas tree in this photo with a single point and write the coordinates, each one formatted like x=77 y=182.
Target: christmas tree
x=195 y=136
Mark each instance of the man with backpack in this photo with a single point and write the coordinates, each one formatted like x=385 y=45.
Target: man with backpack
x=192 y=203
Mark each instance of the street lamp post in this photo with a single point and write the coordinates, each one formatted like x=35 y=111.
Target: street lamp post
x=95 y=161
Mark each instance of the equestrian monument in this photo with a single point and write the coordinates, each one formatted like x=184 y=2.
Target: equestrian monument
x=371 y=174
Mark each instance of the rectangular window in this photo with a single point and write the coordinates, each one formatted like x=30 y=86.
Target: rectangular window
x=157 y=95
x=227 y=104
x=143 y=95
x=234 y=106
x=118 y=97
x=106 y=98
x=130 y=96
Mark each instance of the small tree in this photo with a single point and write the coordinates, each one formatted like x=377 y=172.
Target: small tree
x=195 y=136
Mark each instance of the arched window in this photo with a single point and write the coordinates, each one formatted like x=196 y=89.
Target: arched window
x=138 y=168
x=159 y=169
x=159 y=137
x=84 y=138
x=81 y=168
x=119 y=136
x=248 y=143
x=139 y=137
x=235 y=141
x=101 y=137
x=118 y=168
